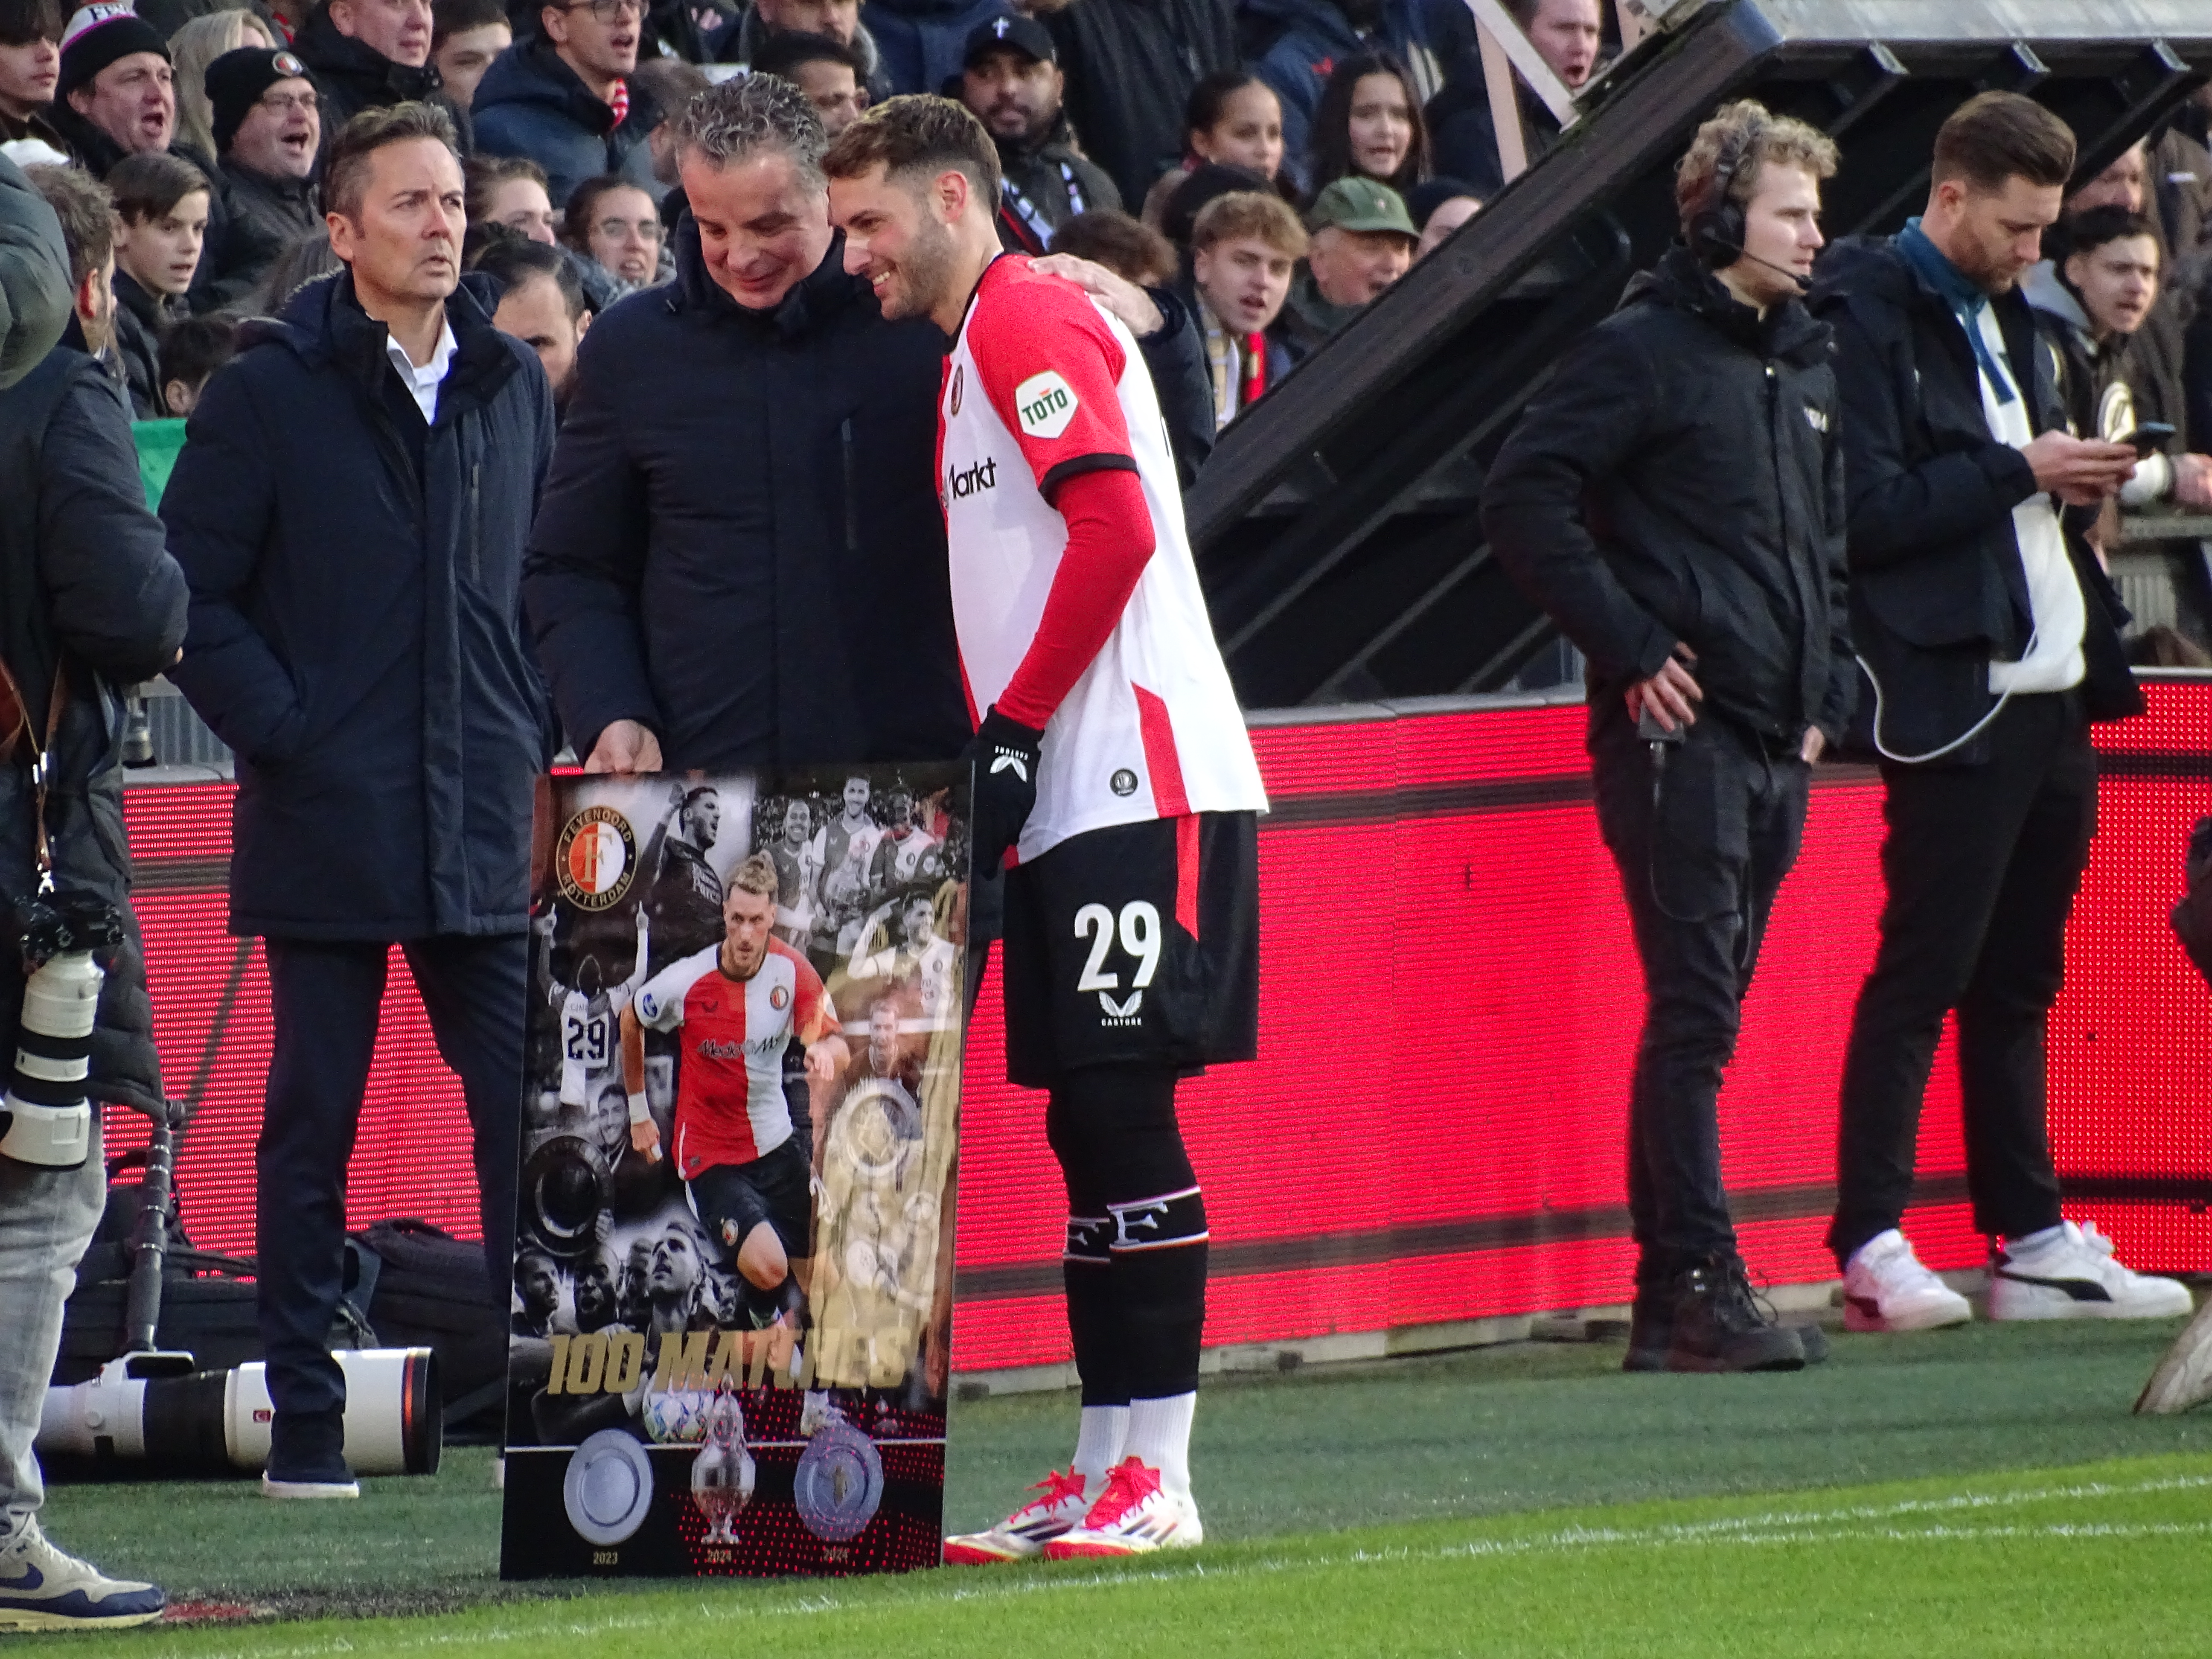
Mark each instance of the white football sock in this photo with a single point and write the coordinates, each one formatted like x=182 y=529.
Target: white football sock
x=1159 y=1437
x=1098 y=1444
x=2030 y=1243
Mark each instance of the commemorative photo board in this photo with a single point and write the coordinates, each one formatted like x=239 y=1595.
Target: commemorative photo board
x=733 y=1256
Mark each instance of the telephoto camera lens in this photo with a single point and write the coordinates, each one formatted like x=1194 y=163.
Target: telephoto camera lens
x=49 y=1119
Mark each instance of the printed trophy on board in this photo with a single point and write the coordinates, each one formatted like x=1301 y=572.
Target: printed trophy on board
x=722 y=1473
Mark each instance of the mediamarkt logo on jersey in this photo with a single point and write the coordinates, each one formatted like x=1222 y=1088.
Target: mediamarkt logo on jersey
x=961 y=483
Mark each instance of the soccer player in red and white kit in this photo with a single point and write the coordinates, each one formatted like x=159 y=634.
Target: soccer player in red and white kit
x=739 y=1005
x=1112 y=760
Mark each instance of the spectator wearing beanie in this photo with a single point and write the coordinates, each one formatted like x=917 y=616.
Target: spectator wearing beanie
x=119 y=98
x=565 y=99
x=1360 y=242
x=268 y=132
x=1011 y=78
x=370 y=54
x=30 y=67
x=117 y=89
x=1243 y=250
x=1132 y=66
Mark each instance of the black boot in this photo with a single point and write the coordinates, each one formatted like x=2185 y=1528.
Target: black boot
x=1719 y=1325
x=1651 y=1324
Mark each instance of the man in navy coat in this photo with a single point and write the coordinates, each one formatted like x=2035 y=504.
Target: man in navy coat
x=350 y=509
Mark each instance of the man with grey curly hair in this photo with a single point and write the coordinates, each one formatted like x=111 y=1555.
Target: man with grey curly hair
x=740 y=559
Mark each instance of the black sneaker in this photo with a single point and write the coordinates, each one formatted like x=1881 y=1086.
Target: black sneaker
x=307 y=1457
x=1719 y=1325
x=1651 y=1330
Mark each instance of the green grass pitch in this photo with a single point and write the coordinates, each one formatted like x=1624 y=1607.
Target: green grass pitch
x=1978 y=1492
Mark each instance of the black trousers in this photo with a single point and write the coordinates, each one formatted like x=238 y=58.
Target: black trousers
x=1703 y=837
x=327 y=997
x=1981 y=864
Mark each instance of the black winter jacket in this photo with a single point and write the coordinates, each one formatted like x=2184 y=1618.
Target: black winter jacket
x=1937 y=588
x=356 y=632
x=84 y=584
x=741 y=546
x=266 y=215
x=532 y=103
x=1678 y=478
x=140 y=319
x=350 y=76
x=1047 y=184
x=1131 y=65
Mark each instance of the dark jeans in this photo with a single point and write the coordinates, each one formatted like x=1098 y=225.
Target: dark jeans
x=1703 y=842
x=327 y=997
x=1981 y=864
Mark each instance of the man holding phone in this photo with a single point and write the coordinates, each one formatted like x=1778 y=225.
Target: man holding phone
x=1991 y=639
x=1674 y=498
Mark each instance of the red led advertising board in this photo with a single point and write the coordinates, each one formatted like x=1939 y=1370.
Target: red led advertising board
x=1449 y=1003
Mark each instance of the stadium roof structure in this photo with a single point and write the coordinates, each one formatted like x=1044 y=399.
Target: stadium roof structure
x=1337 y=525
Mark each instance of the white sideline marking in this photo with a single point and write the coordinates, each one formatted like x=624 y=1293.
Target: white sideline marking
x=1800 y=1526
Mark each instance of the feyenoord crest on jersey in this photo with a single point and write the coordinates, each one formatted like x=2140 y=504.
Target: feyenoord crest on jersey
x=596 y=859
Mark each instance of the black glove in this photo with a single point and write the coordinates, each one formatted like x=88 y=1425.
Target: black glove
x=1005 y=756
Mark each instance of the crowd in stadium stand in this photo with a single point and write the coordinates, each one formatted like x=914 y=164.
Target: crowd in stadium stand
x=1274 y=164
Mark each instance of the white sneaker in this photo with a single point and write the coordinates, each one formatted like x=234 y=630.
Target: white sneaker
x=2074 y=1276
x=1059 y=1507
x=2184 y=1376
x=43 y=1588
x=1887 y=1289
x=1134 y=1515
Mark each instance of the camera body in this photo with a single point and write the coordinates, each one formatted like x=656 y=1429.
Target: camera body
x=46 y=1118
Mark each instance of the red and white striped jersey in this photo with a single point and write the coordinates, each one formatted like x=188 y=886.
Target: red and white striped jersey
x=1043 y=385
x=730 y=1107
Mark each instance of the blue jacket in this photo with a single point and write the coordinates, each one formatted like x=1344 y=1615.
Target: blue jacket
x=355 y=630
x=1295 y=44
x=919 y=43
x=530 y=103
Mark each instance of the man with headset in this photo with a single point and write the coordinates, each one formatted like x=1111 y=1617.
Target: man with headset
x=1673 y=496
x=1991 y=639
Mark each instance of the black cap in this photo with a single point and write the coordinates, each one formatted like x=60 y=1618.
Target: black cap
x=1010 y=33
x=236 y=81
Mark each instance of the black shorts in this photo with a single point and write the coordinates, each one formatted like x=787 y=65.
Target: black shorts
x=733 y=1198
x=1083 y=984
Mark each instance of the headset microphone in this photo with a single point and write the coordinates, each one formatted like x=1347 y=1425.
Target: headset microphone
x=1718 y=228
x=1800 y=284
